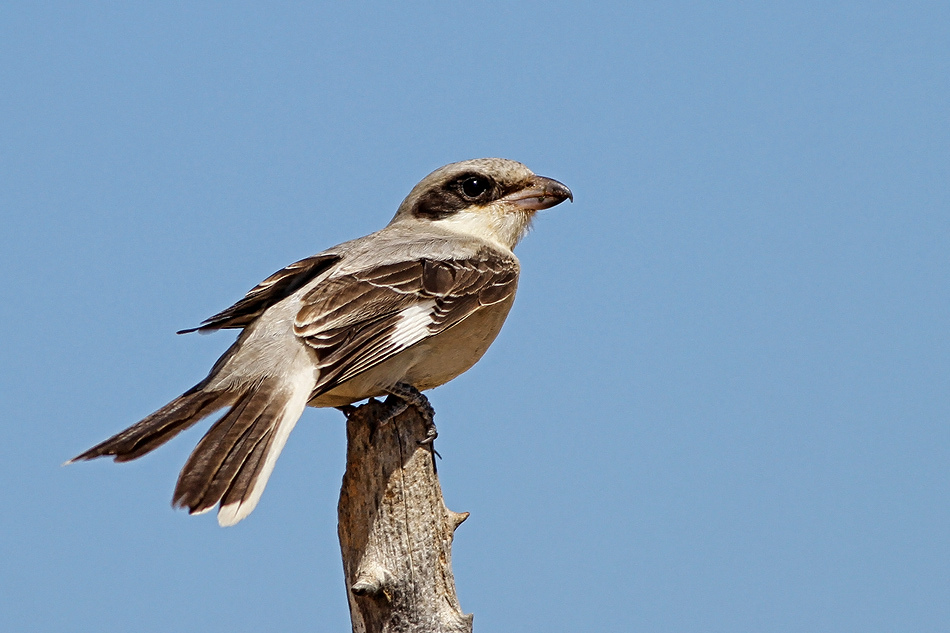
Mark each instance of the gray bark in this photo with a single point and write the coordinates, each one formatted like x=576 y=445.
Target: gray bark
x=395 y=531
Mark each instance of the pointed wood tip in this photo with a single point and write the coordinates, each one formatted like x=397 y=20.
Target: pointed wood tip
x=371 y=581
x=457 y=518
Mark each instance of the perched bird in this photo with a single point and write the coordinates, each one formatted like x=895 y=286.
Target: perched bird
x=402 y=310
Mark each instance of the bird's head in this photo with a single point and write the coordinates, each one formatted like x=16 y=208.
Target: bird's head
x=489 y=198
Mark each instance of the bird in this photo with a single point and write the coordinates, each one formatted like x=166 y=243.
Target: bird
x=394 y=313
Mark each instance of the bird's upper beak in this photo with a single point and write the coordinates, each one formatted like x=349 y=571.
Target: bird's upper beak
x=540 y=193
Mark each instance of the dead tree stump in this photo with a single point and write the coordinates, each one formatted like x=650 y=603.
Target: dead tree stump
x=395 y=531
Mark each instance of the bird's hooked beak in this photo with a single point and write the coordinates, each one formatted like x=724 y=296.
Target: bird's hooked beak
x=540 y=193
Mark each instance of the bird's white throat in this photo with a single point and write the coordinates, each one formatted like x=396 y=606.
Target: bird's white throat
x=499 y=225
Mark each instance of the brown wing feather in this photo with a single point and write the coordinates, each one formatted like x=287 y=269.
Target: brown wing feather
x=349 y=320
x=278 y=286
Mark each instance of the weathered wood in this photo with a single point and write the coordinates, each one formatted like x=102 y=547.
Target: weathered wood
x=395 y=531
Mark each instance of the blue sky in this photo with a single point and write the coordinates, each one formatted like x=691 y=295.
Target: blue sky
x=720 y=402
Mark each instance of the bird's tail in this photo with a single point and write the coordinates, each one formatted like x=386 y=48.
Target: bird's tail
x=153 y=431
x=232 y=462
x=235 y=458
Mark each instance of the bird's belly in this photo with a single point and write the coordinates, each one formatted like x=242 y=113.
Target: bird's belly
x=427 y=364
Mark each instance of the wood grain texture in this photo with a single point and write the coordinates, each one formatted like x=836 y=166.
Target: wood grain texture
x=395 y=531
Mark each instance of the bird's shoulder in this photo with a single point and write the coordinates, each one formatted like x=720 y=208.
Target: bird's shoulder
x=387 y=272
x=409 y=242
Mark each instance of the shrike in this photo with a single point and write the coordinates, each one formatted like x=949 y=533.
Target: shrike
x=402 y=310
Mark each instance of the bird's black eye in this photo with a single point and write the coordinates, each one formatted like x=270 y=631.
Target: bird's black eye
x=474 y=186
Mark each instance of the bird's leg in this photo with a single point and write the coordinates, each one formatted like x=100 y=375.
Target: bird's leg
x=411 y=396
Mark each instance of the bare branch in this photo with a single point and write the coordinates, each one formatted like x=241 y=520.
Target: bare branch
x=395 y=531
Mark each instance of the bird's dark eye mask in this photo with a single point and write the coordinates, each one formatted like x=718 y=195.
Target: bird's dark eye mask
x=458 y=193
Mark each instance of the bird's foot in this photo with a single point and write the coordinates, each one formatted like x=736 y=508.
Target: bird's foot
x=409 y=396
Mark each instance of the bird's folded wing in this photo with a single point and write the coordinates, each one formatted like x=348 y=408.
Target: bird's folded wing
x=358 y=320
x=278 y=286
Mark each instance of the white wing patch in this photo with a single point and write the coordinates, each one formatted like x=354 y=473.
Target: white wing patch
x=413 y=324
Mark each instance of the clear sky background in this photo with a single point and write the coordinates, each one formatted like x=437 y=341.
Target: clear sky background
x=720 y=402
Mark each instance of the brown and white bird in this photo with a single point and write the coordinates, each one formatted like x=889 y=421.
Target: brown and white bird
x=402 y=310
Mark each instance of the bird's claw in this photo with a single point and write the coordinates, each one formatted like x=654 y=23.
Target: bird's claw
x=410 y=396
x=347 y=410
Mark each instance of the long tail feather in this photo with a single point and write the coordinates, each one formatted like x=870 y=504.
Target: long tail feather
x=233 y=461
x=214 y=462
x=156 y=429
